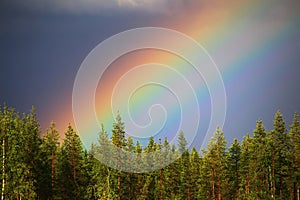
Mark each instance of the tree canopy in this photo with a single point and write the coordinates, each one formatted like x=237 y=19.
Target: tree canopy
x=263 y=165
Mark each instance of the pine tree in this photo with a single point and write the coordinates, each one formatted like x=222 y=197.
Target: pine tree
x=216 y=158
x=70 y=165
x=48 y=164
x=262 y=164
x=119 y=140
x=182 y=143
x=19 y=141
x=3 y=156
x=165 y=178
x=138 y=166
x=185 y=173
x=93 y=172
x=195 y=172
x=280 y=155
x=294 y=157
x=130 y=181
x=151 y=163
x=247 y=187
x=103 y=149
x=205 y=191
x=234 y=158
x=173 y=172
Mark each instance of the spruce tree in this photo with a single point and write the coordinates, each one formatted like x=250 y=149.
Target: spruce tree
x=195 y=172
x=234 y=158
x=182 y=143
x=294 y=158
x=48 y=164
x=280 y=157
x=262 y=161
x=71 y=164
x=19 y=142
x=247 y=186
x=151 y=163
x=216 y=156
x=119 y=140
x=185 y=173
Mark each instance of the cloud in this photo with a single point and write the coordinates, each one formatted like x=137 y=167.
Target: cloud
x=99 y=6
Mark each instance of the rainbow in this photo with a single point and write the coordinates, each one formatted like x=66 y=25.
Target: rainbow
x=232 y=33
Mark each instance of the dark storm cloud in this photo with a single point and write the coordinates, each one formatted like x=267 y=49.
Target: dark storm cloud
x=96 y=6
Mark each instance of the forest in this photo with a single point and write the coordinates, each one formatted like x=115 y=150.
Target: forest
x=265 y=164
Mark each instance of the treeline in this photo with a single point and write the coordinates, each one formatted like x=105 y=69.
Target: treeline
x=264 y=165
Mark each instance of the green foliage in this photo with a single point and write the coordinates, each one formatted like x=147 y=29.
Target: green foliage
x=234 y=167
x=265 y=165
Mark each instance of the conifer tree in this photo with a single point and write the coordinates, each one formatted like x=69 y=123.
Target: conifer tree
x=93 y=171
x=71 y=163
x=31 y=131
x=48 y=164
x=18 y=172
x=119 y=140
x=138 y=165
x=247 y=187
x=206 y=190
x=281 y=149
x=294 y=158
x=182 y=143
x=262 y=163
x=151 y=162
x=185 y=173
x=195 y=172
x=234 y=158
x=216 y=158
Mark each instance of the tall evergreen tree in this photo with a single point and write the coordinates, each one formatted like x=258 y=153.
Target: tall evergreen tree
x=119 y=140
x=234 y=158
x=281 y=150
x=247 y=187
x=182 y=143
x=294 y=158
x=20 y=148
x=138 y=165
x=48 y=164
x=195 y=171
x=70 y=165
x=216 y=158
x=151 y=163
x=185 y=173
x=261 y=161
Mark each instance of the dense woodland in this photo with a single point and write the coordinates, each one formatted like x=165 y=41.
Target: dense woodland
x=35 y=165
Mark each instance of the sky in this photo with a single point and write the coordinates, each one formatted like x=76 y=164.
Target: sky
x=254 y=46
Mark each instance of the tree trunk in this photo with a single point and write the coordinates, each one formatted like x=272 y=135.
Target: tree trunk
x=52 y=174
x=291 y=191
x=139 y=187
x=213 y=185
x=248 y=184
x=74 y=172
x=219 y=191
x=3 y=169
x=237 y=180
x=119 y=186
x=273 y=176
x=119 y=172
x=298 y=192
x=52 y=167
x=280 y=189
x=161 y=179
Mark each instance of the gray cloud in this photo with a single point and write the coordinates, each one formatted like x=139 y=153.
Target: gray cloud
x=96 y=6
